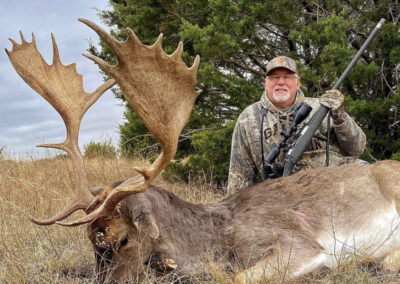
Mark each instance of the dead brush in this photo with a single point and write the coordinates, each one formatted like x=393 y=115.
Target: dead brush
x=36 y=254
x=58 y=254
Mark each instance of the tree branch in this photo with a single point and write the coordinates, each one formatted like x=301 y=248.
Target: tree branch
x=244 y=67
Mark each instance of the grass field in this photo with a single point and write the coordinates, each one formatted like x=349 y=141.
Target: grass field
x=35 y=254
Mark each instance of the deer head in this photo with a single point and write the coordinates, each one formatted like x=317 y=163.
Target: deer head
x=124 y=243
x=159 y=88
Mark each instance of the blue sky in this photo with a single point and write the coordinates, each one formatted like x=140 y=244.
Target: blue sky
x=26 y=119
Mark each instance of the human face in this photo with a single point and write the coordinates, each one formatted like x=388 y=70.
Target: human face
x=282 y=90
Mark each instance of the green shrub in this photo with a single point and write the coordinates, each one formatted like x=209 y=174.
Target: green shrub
x=211 y=159
x=103 y=149
x=396 y=156
x=61 y=156
x=175 y=171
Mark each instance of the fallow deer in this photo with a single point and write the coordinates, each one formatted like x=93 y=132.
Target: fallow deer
x=294 y=224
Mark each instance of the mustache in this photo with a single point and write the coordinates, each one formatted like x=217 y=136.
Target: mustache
x=281 y=88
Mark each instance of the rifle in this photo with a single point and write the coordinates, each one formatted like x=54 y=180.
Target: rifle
x=300 y=114
x=308 y=131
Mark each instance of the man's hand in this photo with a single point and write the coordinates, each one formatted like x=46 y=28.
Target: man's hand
x=334 y=100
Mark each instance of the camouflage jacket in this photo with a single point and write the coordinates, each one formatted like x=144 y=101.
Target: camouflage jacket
x=347 y=141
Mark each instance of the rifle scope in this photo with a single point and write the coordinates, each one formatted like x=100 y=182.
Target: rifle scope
x=302 y=112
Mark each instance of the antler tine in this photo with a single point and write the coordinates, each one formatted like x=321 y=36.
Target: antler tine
x=56 y=53
x=107 y=67
x=22 y=37
x=134 y=185
x=102 y=33
x=74 y=205
x=158 y=44
x=177 y=54
x=93 y=97
x=62 y=87
x=195 y=66
x=132 y=38
x=160 y=89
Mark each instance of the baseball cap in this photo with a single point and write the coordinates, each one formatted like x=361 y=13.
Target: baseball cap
x=282 y=62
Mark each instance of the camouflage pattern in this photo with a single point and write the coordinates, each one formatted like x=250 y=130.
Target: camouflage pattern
x=347 y=141
x=282 y=62
x=334 y=100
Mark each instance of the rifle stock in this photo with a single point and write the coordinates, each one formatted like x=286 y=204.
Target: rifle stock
x=295 y=153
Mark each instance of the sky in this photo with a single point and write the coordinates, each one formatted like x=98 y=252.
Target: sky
x=26 y=119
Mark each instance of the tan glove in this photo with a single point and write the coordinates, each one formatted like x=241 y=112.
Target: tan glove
x=334 y=100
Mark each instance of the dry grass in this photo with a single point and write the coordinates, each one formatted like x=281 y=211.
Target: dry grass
x=36 y=254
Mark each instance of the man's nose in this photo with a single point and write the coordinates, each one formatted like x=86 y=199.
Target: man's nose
x=281 y=81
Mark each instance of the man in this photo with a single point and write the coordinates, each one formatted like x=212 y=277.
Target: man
x=274 y=113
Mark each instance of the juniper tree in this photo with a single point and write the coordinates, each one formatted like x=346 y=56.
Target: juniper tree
x=236 y=38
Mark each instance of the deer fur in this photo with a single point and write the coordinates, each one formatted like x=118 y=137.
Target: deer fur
x=290 y=225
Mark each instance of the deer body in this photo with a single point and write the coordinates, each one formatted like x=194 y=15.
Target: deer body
x=295 y=224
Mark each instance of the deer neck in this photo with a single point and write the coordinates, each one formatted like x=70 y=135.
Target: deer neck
x=187 y=229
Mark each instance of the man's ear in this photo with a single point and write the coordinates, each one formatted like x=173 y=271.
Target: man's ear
x=298 y=83
x=145 y=223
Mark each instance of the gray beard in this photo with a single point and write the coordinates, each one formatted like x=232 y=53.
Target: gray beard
x=280 y=99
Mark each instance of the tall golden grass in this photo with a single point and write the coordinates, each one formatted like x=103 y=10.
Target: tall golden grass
x=39 y=254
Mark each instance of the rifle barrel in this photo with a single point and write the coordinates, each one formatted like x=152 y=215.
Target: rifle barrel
x=295 y=153
x=359 y=53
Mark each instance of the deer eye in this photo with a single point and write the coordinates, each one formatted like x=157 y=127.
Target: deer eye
x=123 y=243
x=136 y=223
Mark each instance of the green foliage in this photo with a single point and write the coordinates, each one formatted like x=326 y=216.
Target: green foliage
x=210 y=158
x=380 y=122
x=61 y=157
x=103 y=149
x=396 y=156
x=212 y=148
x=176 y=171
x=235 y=40
x=135 y=138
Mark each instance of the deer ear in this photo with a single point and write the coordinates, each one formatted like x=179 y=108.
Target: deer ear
x=146 y=223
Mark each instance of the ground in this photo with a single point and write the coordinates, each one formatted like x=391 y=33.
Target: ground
x=55 y=254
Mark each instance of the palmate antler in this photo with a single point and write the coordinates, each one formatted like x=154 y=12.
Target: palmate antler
x=62 y=87
x=160 y=89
